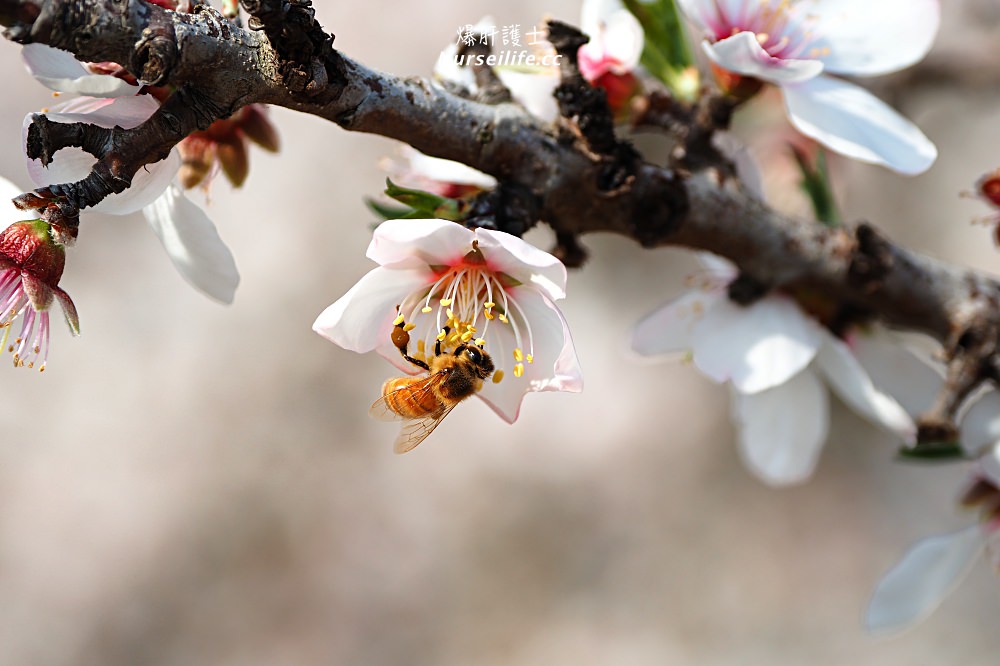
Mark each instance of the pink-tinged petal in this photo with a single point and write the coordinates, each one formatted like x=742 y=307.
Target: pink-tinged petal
x=756 y=347
x=413 y=243
x=782 y=430
x=9 y=213
x=58 y=70
x=193 y=244
x=593 y=13
x=670 y=329
x=73 y=164
x=896 y=370
x=615 y=34
x=361 y=320
x=743 y=54
x=853 y=122
x=868 y=38
x=523 y=261
x=702 y=13
x=69 y=310
x=849 y=380
x=555 y=366
x=446 y=171
x=981 y=423
x=915 y=587
x=533 y=90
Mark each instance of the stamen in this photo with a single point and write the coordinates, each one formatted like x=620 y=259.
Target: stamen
x=519 y=370
x=409 y=327
x=426 y=309
x=480 y=341
x=498 y=376
x=398 y=320
x=445 y=302
x=518 y=354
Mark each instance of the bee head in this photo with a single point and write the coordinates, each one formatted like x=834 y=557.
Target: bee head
x=479 y=358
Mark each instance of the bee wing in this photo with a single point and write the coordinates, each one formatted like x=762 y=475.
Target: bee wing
x=416 y=430
x=381 y=410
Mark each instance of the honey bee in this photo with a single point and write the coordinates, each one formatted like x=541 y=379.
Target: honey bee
x=423 y=402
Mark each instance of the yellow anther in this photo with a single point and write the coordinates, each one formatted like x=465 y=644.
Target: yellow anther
x=466 y=336
x=480 y=341
x=445 y=302
x=397 y=321
x=489 y=305
x=529 y=358
x=489 y=315
x=451 y=315
x=409 y=327
x=498 y=376
x=503 y=318
x=519 y=369
x=441 y=335
x=426 y=309
x=518 y=355
x=471 y=329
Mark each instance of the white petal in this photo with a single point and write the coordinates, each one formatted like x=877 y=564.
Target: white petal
x=413 y=243
x=533 y=90
x=756 y=347
x=981 y=423
x=670 y=329
x=9 y=213
x=855 y=123
x=523 y=261
x=743 y=54
x=927 y=573
x=618 y=36
x=361 y=320
x=895 y=369
x=868 y=38
x=73 y=164
x=718 y=269
x=58 y=70
x=595 y=12
x=845 y=375
x=446 y=171
x=782 y=430
x=193 y=244
x=555 y=366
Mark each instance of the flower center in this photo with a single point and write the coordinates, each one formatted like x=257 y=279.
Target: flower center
x=781 y=28
x=461 y=306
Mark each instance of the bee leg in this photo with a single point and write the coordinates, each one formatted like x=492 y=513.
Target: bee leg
x=437 y=345
x=401 y=339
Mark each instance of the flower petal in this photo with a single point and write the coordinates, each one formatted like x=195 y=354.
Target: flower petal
x=361 y=320
x=870 y=38
x=534 y=90
x=929 y=571
x=670 y=329
x=193 y=244
x=73 y=164
x=981 y=423
x=845 y=375
x=446 y=171
x=782 y=430
x=523 y=261
x=412 y=243
x=896 y=370
x=855 y=123
x=743 y=54
x=615 y=34
x=58 y=70
x=757 y=347
x=555 y=366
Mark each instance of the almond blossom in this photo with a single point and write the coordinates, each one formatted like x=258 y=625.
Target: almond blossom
x=186 y=232
x=443 y=282
x=609 y=59
x=934 y=566
x=776 y=359
x=795 y=44
x=31 y=265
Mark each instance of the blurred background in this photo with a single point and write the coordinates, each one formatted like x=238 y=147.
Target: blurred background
x=195 y=484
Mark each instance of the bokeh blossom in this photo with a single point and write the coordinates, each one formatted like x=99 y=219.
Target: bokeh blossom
x=796 y=45
x=779 y=363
